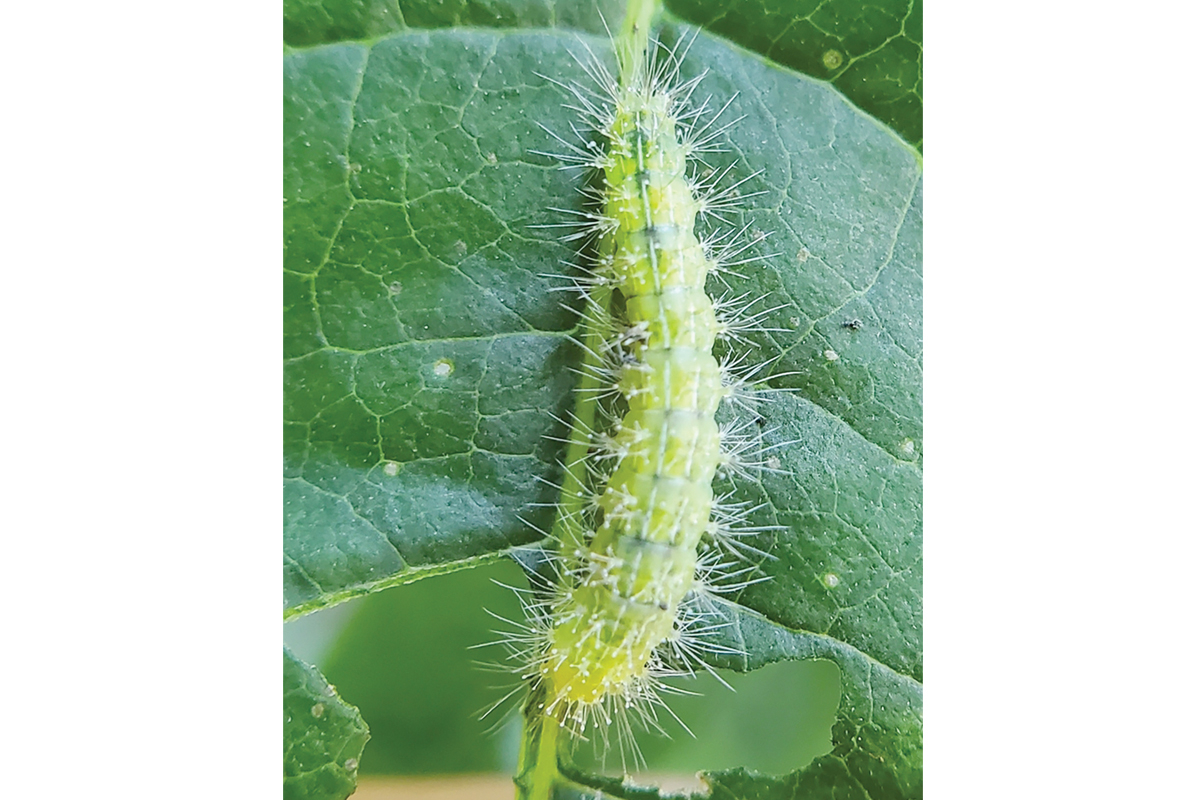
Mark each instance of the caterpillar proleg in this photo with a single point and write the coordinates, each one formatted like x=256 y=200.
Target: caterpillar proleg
x=642 y=539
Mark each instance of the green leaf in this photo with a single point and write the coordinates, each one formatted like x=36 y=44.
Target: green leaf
x=877 y=734
x=426 y=354
x=870 y=51
x=323 y=737
x=309 y=22
x=424 y=345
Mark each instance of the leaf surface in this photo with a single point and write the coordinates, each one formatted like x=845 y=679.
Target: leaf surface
x=877 y=734
x=309 y=22
x=323 y=737
x=870 y=51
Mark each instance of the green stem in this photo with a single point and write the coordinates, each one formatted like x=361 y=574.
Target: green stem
x=568 y=527
x=635 y=36
x=537 y=767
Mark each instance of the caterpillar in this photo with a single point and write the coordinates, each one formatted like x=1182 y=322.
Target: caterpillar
x=643 y=539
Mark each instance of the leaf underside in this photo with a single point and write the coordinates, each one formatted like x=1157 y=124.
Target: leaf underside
x=427 y=353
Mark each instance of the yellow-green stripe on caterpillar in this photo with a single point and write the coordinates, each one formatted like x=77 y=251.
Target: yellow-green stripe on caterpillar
x=631 y=603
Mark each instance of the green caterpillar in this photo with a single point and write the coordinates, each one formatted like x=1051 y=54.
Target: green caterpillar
x=632 y=584
x=657 y=502
x=641 y=536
